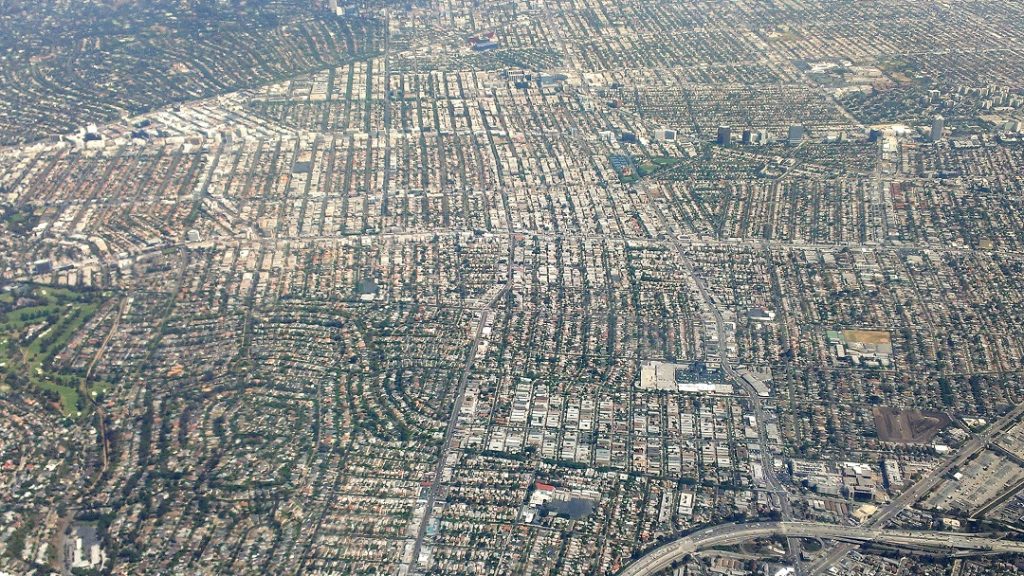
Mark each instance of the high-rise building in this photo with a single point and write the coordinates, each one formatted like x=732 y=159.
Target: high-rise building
x=514 y=76
x=796 y=134
x=747 y=137
x=938 y=126
x=724 y=135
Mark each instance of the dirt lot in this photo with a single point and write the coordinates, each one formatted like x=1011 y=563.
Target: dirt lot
x=867 y=336
x=908 y=426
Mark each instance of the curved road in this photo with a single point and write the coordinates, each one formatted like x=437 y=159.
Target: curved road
x=726 y=534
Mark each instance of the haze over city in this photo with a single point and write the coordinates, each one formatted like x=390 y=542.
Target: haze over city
x=512 y=287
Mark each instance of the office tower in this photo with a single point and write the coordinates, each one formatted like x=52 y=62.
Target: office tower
x=938 y=126
x=796 y=135
x=724 y=135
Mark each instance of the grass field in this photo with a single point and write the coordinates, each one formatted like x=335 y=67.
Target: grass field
x=36 y=323
x=654 y=165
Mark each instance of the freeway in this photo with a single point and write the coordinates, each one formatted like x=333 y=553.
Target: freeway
x=728 y=534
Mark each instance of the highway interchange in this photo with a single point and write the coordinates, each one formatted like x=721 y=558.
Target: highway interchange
x=849 y=536
x=728 y=534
